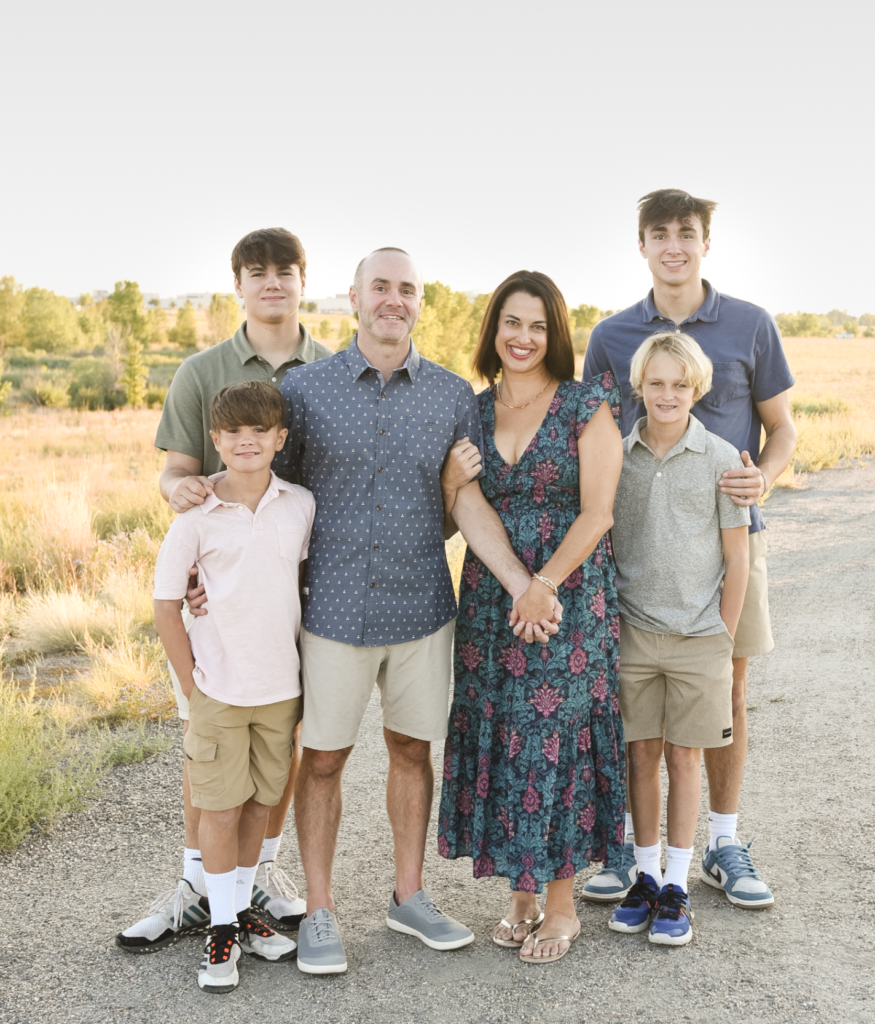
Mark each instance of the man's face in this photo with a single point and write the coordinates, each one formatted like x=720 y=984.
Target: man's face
x=272 y=294
x=674 y=251
x=248 y=449
x=388 y=299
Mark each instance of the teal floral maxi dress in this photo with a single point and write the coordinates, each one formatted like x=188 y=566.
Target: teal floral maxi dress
x=534 y=766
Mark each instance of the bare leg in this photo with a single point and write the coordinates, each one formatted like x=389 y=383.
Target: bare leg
x=409 y=791
x=559 y=919
x=191 y=815
x=218 y=839
x=277 y=819
x=250 y=833
x=642 y=769
x=318 y=806
x=725 y=765
x=684 y=793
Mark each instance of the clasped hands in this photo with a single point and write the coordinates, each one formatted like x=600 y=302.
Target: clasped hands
x=536 y=613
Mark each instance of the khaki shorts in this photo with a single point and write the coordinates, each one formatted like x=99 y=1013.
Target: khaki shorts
x=676 y=686
x=414 y=681
x=235 y=753
x=754 y=633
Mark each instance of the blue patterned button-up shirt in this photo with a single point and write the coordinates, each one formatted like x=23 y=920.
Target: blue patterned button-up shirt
x=372 y=453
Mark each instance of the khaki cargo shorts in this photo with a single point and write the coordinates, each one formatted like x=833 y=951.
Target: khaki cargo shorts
x=754 y=633
x=235 y=753
x=675 y=686
x=414 y=681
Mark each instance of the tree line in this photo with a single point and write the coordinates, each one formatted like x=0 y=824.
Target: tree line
x=826 y=325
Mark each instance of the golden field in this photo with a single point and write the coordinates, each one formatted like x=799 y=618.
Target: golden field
x=81 y=520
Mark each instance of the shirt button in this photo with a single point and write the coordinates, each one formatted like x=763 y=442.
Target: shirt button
x=376 y=547
x=380 y=470
x=373 y=585
x=659 y=474
x=379 y=508
x=382 y=431
x=273 y=379
x=382 y=394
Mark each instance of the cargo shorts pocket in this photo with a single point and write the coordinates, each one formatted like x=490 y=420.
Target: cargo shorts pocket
x=199 y=748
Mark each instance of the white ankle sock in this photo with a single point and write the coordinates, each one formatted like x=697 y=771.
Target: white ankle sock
x=245 y=878
x=221 y=891
x=721 y=825
x=649 y=860
x=269 y=849
x=630 y=828
x=193 y=870
x=677 y=866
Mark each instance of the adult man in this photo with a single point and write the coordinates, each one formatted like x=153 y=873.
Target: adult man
x=269 y=268
x=750 y=391
x=370 y=429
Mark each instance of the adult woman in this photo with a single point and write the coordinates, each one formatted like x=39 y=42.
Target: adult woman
x=534 y=768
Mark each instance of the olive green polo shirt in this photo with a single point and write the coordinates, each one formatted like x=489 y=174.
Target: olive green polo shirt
x=185 y=420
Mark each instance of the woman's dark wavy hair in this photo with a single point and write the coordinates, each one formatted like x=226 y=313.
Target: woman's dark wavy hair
x=560 y=353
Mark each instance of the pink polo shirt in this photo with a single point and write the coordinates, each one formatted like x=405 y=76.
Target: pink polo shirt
x=245 y=649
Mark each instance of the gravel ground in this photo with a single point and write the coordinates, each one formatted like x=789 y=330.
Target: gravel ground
x=807 y=798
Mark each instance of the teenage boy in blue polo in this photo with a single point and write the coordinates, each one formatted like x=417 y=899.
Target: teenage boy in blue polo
x=750 y=392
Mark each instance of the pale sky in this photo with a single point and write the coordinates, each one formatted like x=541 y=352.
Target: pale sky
x=141 y=141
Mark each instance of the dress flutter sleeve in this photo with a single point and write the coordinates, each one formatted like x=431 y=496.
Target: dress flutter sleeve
x=593 y=392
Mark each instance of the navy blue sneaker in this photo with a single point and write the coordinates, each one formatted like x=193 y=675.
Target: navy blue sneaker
x=633 y=914
x=730 y=868
x=672 y=922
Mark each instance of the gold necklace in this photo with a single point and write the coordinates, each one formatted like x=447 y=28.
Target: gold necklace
x=541 y=392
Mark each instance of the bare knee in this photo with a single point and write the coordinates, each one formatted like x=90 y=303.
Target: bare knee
x=323 y=765
x=407 y=749
x=644 y=756
x=682 y=760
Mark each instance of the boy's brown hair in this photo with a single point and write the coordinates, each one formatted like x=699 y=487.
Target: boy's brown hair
x=559 y=360
x=268 y=245
x=668 y=204
x=253 y=403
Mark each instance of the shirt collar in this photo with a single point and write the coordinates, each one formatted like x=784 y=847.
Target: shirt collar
x=276 y=485
x=304 y=353
x=693 y=438
x=357 y=363
x=707 y=312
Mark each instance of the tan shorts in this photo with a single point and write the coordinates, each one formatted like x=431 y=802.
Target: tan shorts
x=414 y=682
x=235 y=753
x=754 y=633
x=679 y=687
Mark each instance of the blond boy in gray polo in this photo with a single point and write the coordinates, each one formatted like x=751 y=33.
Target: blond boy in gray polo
x=681 y=548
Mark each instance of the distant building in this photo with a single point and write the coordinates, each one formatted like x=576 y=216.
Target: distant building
x=335 y=304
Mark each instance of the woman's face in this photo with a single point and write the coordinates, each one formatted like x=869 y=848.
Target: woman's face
x=521 y=340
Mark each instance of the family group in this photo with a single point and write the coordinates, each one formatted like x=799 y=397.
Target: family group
x=613 y=589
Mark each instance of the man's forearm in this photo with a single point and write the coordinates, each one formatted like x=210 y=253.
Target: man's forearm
x=777 y=452
x=485 y=535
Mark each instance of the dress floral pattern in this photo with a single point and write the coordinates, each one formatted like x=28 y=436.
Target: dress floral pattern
x=534 y=766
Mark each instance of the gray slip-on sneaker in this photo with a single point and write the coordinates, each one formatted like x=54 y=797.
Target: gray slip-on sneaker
x=320 y=948
x=420 y=917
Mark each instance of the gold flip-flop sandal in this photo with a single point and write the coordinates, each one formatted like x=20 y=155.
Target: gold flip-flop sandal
x=550 y=938
x=513 y=943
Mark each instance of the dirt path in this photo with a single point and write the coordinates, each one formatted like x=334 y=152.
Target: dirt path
x=808 y=799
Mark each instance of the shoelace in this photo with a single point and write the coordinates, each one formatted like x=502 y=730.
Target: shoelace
x=671 y=903
x=322 y=929
x=254 y=925
x=281 y=882
x=640 y=893
x=430 y=909
x=735 y=860
x=222 y=938
x=174 y=897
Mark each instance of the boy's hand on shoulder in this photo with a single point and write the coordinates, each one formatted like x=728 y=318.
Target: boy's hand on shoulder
x=746 y=485
x=196 y=594
x=190 y=491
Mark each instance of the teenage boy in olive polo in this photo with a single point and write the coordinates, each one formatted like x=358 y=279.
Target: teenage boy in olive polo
x=269 y=268
x=750 y=393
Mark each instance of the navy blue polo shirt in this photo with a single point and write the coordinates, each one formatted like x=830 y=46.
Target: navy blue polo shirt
x=741 y=340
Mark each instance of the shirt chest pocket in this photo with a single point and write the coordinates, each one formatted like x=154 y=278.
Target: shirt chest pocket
x=727 y=382
x=429 y=440
x=694 y=504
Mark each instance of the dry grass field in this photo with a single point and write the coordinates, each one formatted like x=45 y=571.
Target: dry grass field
x=80 y=525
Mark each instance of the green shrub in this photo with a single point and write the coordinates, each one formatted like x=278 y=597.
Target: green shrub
x=155 y=396
x=827 y=405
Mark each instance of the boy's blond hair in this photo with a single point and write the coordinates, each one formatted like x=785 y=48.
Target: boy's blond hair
x=698 y=368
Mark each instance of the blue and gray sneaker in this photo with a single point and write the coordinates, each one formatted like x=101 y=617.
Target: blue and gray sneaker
x=608 y=886
x=730 y=868
x=633 y=914
x=672 y=922
x=320 y=948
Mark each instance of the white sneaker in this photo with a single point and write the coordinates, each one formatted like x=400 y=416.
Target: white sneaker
x=276 y=893
x=175 y=913
x=258 y=940
x=218 y=969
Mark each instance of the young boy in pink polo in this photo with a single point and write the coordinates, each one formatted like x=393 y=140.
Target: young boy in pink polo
x=238 y=666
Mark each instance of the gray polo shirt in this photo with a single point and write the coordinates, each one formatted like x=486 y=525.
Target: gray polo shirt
x=185 y=420
x=668 y=516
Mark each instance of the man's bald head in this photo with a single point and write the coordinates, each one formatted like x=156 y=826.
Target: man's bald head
x=358 y=280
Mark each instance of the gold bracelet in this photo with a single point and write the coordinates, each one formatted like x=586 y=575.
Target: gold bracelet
x=547 y=583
